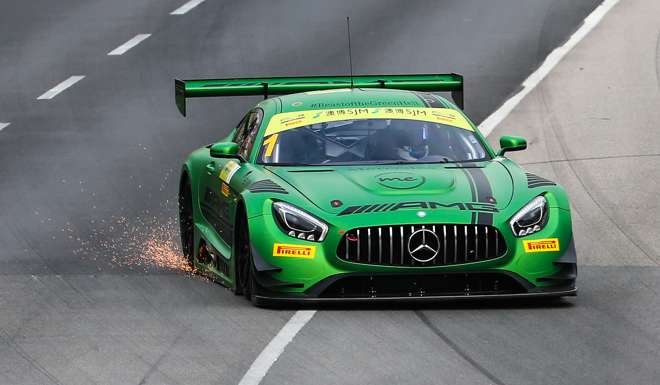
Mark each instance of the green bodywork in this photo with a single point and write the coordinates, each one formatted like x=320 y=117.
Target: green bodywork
x=501 y=185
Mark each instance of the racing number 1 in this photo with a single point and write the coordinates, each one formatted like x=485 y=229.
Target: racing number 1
x=270 y=145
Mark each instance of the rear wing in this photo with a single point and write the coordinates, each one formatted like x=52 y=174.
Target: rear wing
x=198 y=88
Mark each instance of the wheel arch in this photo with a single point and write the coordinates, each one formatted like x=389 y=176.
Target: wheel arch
x=188 y=173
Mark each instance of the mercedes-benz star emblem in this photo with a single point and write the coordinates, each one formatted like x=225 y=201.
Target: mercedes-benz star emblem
x=423 y=245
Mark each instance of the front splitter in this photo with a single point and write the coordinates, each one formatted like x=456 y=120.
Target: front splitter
x=439 y=298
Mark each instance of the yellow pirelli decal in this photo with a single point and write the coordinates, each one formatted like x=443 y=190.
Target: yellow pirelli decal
x=541 y=245
x=290 y=120
x=293 y=251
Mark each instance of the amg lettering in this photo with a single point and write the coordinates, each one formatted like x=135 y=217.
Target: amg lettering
x=467 y=206
x=435 y=205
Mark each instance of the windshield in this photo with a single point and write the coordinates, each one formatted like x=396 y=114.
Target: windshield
x=368 y=141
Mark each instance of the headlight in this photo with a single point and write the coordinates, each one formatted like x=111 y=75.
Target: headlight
x=299 y=224
x=531 y=218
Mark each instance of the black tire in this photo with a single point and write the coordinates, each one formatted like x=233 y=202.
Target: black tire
x=186 y=221
x=245 y=275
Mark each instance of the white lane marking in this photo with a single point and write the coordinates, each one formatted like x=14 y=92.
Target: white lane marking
x=51 y=93
x=3 y=125
x=129 y=44
x=275 y=347
x=494 y=119
x=182 y=10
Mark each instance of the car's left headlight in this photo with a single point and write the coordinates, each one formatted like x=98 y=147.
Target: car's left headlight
x=298 y=224
x=531 y=218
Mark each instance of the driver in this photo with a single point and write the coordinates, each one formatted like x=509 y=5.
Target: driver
x=413 y=143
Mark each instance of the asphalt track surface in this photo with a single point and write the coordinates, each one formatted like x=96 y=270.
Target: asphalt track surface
x=88 y=185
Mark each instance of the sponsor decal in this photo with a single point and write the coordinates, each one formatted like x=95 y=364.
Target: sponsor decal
x=229 y=170
x=541 y=245
x=426 y=205
x=225 y=189
x=293 y=251
x=400 y=180
x=365 y=103
x=289 y=120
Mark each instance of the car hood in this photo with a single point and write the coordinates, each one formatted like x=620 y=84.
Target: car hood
x=336 y=189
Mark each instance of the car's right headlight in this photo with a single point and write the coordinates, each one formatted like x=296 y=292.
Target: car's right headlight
x=299 y=224
x=531 y=218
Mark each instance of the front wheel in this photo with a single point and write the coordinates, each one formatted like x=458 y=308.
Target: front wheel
x=245 y=275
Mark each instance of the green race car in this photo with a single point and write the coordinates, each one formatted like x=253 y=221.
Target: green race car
x=368 y=188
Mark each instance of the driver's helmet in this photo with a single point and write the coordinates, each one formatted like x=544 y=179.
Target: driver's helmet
x=415 y=141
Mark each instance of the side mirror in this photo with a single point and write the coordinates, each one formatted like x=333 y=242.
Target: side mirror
x=224 y=150
x=511 y=143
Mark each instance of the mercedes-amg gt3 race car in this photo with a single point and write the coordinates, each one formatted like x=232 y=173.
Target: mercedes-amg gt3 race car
x=368 y=188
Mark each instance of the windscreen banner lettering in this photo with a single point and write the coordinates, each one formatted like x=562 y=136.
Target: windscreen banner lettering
x=359 y=103
x=373 y=208
x=290 y=120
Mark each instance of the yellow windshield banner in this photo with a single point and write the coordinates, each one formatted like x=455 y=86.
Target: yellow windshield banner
x=290 y=120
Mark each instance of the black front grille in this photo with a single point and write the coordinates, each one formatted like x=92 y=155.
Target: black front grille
x=389 y=245
x=404 y=285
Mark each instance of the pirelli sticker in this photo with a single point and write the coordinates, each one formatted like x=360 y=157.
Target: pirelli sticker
x=229 y=170
x=294 y=251
x=541 y=245
x=290 y=120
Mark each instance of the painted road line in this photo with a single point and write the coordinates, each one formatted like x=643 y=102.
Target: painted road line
x=51 y=93
x=275 y=347
x=3 y=125
x=591 y=21
x=182 y=10
x=129 y=44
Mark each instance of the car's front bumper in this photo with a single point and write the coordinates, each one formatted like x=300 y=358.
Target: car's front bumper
x=416 y=286
x=537 y=274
